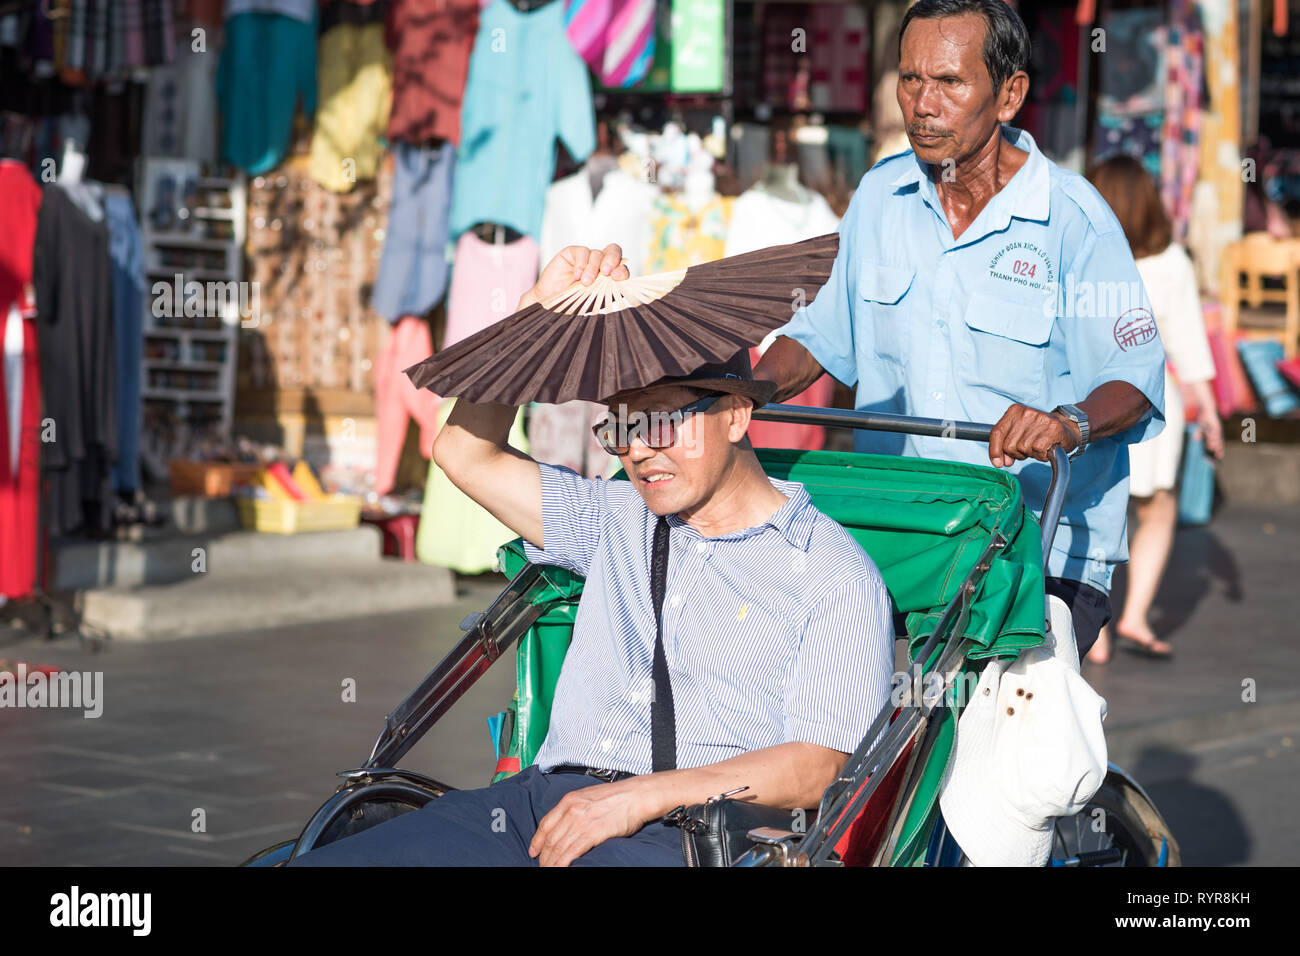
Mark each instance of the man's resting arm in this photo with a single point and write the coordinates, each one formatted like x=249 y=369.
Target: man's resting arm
x=789 y=775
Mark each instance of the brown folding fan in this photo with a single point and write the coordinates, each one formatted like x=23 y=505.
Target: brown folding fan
x=590 y=342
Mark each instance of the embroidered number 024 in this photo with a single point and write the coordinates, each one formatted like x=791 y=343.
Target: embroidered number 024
x=1022 y=268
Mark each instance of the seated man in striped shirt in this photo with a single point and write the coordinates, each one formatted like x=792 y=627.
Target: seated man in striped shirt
x=776 y=648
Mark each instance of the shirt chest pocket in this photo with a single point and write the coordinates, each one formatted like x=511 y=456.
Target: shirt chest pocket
x=1007 y=348
x=883 y=287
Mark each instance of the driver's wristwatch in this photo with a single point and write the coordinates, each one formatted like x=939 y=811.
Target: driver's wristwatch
x=1076 y=415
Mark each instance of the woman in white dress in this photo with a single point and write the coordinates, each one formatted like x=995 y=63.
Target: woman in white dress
x=1171 y=286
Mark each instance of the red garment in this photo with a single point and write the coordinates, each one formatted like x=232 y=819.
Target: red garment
x=20 y=203
x=19 y=488
x=396 y=399
x=785 y=435
x=431 y=42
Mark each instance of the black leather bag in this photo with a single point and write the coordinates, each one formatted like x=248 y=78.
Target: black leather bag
x=715 y=833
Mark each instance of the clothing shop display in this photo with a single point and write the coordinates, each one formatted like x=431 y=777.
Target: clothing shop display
x=760 y=219
x=397 y=400
x=355 y=93
x=1180 y=153
x=1131 y=98
x=413 y=271
x=1052 y=112
x=487 y=280
x=20 y=382
x=126 y=254
x=595 y=341
x=526 y=88
x=840 y=68
x=71 y=274
x=431 y=44
x=681 y=236
x=618 y=212
x=455 y=531
x=313 y=255
x=105 y=38
x=180 y=113
x=268 y=66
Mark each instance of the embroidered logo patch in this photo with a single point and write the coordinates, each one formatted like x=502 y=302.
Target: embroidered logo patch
x=1023 y=264
x=1135 y=327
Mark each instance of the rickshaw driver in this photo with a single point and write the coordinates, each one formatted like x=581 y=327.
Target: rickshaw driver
x=777 y=633
x=975 y=274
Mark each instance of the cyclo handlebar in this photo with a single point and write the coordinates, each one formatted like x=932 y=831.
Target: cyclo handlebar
x=933 y=428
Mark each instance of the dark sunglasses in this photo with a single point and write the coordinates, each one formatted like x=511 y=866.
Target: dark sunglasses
x=656 y=430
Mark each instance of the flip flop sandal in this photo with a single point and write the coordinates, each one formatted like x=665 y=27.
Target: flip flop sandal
x=1144 y=650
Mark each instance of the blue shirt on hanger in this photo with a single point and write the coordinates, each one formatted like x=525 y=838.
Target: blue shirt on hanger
x=526 y=86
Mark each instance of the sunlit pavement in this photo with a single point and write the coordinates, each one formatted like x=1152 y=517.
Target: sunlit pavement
x=211 y=748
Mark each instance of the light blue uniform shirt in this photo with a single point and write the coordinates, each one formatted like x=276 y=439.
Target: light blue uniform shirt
x=1038 y=303
x=777 y=633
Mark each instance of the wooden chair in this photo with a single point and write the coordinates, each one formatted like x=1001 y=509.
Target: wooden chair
x=1245 y=264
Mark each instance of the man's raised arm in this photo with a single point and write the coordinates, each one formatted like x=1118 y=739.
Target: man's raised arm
x=473 y=448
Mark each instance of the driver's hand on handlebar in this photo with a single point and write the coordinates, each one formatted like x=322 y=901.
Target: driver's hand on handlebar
x=572 y=264
x=1025 y=432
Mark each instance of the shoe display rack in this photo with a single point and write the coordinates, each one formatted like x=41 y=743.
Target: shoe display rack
x=192 y=222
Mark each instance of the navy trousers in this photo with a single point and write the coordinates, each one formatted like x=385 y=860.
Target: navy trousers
x=491 y=827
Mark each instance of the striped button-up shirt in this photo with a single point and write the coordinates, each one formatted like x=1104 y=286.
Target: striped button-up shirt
x=781 y=632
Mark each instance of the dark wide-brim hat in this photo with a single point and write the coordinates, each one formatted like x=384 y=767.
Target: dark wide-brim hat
x=594 y=341
x=735 y=375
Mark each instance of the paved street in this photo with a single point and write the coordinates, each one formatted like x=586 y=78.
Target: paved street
x=250 y=728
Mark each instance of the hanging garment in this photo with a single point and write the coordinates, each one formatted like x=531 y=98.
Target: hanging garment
x=680 y=237
x=629 y=43
x=20 y=383
x=1132 y=83
x=20 y=452
x=487 y=280
x=413 y=271
x=758 y=220
x=126 y=253
x=619 y=212
x=303 y=10
x=268 y=64
x=355 y=93
x=431 y=42
x=20 y=203
x=397 y=400
x=455 y=531
x=72 y=278
x=1181 y=147
x=526 y=88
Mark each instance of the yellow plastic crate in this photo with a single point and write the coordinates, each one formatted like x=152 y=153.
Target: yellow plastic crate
x=290 y=517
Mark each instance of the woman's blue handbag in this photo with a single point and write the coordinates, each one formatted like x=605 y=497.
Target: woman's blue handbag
x=1196 y=485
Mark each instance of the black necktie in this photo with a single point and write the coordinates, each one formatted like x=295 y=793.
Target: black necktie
x=663 y=719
